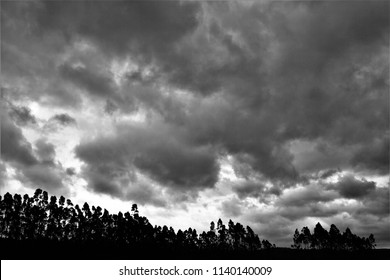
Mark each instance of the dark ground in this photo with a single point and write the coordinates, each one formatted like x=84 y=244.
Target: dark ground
x=47 y=250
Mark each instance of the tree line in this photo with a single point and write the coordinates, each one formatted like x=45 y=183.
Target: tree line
x=332 y=240
x=48 y=221
x=42 y=218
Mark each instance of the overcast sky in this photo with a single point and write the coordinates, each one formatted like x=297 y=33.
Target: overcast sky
x=272 y=114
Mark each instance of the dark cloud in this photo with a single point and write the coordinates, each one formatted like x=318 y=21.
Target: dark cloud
x=29 y=57
x=105 y=179
x=374 y=157
x=22 y=115
x=123 y=26
x=323 y=31
x=178 y=165
x=249 y=189
x=306 y=195
x=119 y=181
x=326 y=97
x=155 y=151
x=63 y=119
x=43 y=176
x=213 y=59
x=33 y=170
x=14 y=146
x=313 y=210
x=350 y=187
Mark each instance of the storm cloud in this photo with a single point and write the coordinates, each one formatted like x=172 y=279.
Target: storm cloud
x=14 y=146
x=35 y=168
x=350 y=187
x=156 y=151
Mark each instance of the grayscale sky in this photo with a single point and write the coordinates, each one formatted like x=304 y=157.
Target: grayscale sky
x=274 y=114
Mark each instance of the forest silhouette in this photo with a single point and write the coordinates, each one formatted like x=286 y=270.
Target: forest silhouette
x=40 y=227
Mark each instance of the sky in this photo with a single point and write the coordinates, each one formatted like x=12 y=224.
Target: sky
x=274 y=114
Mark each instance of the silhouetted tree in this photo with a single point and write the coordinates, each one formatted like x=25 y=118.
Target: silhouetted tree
x=134 y=211
x=348 y=239
x=252 y=240
x=306 y=237
x=371 y=242
x=297 y=239
x=333 y=240
x=222 y=235
x=58 y=220
x=266 y=244
x=320 y=237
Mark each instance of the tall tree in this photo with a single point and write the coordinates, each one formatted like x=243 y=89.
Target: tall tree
x=297 y=240
x=320 y=237
x=306 y=237
x=335 y=238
